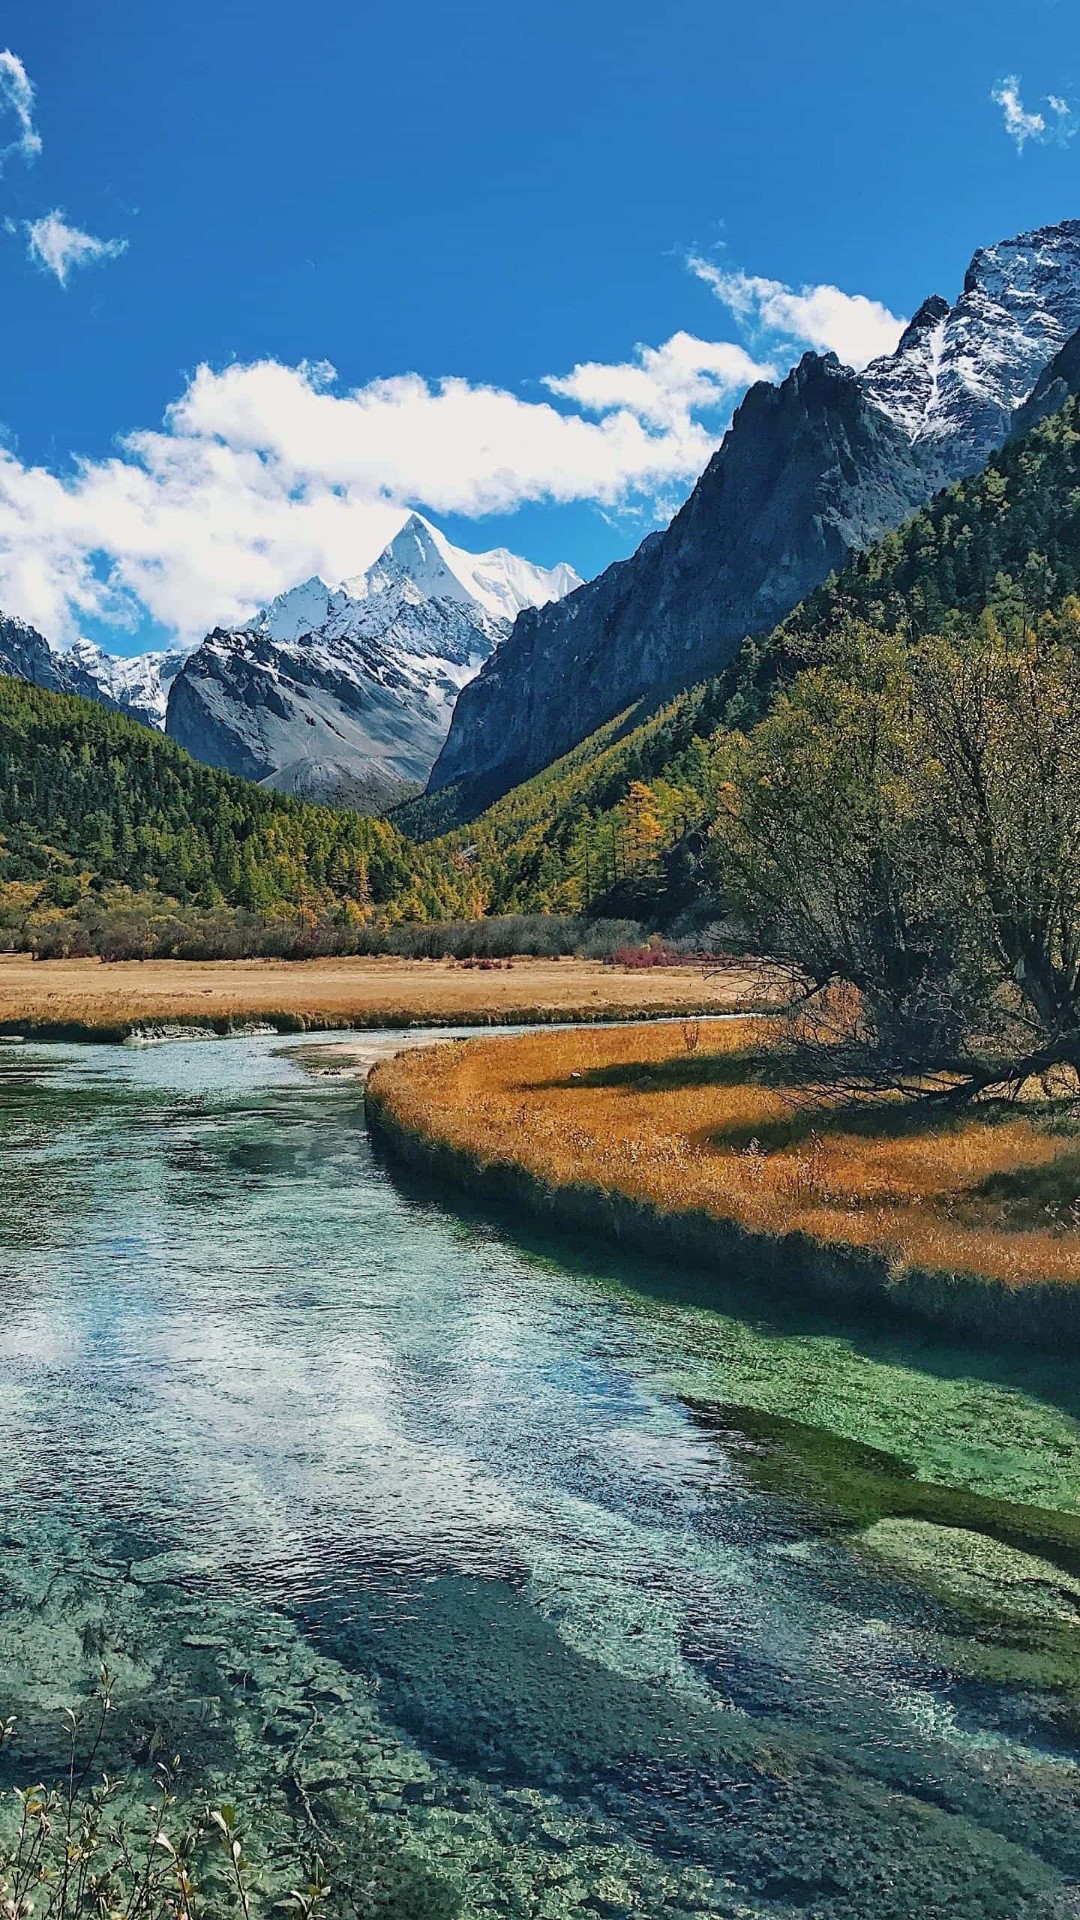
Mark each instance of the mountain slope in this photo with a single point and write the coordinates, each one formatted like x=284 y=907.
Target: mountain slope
x=27 y=655
x=1006 y=540
x=91 y=797
x=137 y=685
x=346 y=692
x=809 y=471
x=1053 y=387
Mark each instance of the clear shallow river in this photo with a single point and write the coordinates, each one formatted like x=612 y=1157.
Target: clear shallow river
x=521 y=1580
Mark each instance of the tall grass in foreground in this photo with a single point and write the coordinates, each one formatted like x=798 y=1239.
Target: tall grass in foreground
x=703 y=1118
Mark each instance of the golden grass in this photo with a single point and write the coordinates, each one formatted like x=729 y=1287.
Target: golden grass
x=634 y=1111
x=90 y=997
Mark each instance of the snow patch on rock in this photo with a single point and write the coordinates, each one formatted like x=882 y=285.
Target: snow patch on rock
x=960 y=372
x=346 y=691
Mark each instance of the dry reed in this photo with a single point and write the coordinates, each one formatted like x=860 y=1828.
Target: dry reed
x=712 y=1127
x=88 y=997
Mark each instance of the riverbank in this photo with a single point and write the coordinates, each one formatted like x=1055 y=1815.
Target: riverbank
x=520 y=1585
x=96 y=1000
x=686 y=1141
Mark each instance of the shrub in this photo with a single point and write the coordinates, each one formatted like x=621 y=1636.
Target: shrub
x=122 y=925
x=74 y=1854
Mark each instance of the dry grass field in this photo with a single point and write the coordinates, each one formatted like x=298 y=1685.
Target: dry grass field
x=697 y=1117
x=91 y=998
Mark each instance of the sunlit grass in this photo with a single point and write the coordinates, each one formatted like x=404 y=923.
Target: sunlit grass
x=90 y=998
x=698 y=1117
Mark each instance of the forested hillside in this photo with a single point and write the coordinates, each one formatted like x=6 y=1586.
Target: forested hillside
x=91 y=801
x=1003 y=547
x=1006 y=541
x=601 y=818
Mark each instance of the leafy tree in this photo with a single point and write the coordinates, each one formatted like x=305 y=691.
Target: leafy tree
x=644 y=828
x=904 y=832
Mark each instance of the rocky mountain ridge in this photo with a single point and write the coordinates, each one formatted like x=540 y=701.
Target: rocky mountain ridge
x=345 y=693
x=331 y=692
x=138 y=684
x=808 y=472
x=25 y=654
x=960 y=372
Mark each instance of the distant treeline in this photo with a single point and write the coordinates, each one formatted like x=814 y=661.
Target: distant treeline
x=90 y=802
x=126 y=926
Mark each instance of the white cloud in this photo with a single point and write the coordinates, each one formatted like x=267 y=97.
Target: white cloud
x=51 y=242
x=1023 y=125
x=263 y=474
x=664 y=383
x=850 y=325
x=17 y=109
x=59 y=247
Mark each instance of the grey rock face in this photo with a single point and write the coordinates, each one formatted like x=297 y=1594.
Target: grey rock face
x=1056 y=384
x=26 y=655
x=808 y=470
x=343 y=720
x=346 y=693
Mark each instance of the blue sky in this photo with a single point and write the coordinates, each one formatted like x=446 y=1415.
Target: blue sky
x=504 y=196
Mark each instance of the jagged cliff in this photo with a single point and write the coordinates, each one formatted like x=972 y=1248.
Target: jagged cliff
x=809 y=471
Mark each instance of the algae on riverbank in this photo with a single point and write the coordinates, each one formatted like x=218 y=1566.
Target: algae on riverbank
x=852 y=1485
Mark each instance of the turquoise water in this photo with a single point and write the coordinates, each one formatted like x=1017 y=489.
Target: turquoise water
x=528 y=1581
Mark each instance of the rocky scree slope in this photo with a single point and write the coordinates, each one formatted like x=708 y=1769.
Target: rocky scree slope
x=345 y=693
x=809 y=471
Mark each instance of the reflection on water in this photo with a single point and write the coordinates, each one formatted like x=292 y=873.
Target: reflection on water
x=529 y=1574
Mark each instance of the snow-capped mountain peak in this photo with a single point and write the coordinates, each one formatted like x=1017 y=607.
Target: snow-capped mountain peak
x=960 y=372
x=138 y=684
x=904 y=383
x=306 y=608
x=499 y=582
x=418 y=554
x=418 y=565
x=347 y=690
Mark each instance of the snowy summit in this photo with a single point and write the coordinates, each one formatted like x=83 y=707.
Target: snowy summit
x=345 y=691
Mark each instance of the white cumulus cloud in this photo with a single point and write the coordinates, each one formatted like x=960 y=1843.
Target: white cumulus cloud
x=262 y=474
x=58 y=247
x=854 y=327
x=18 y=133
x=664 y=384
x=1060 y=124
